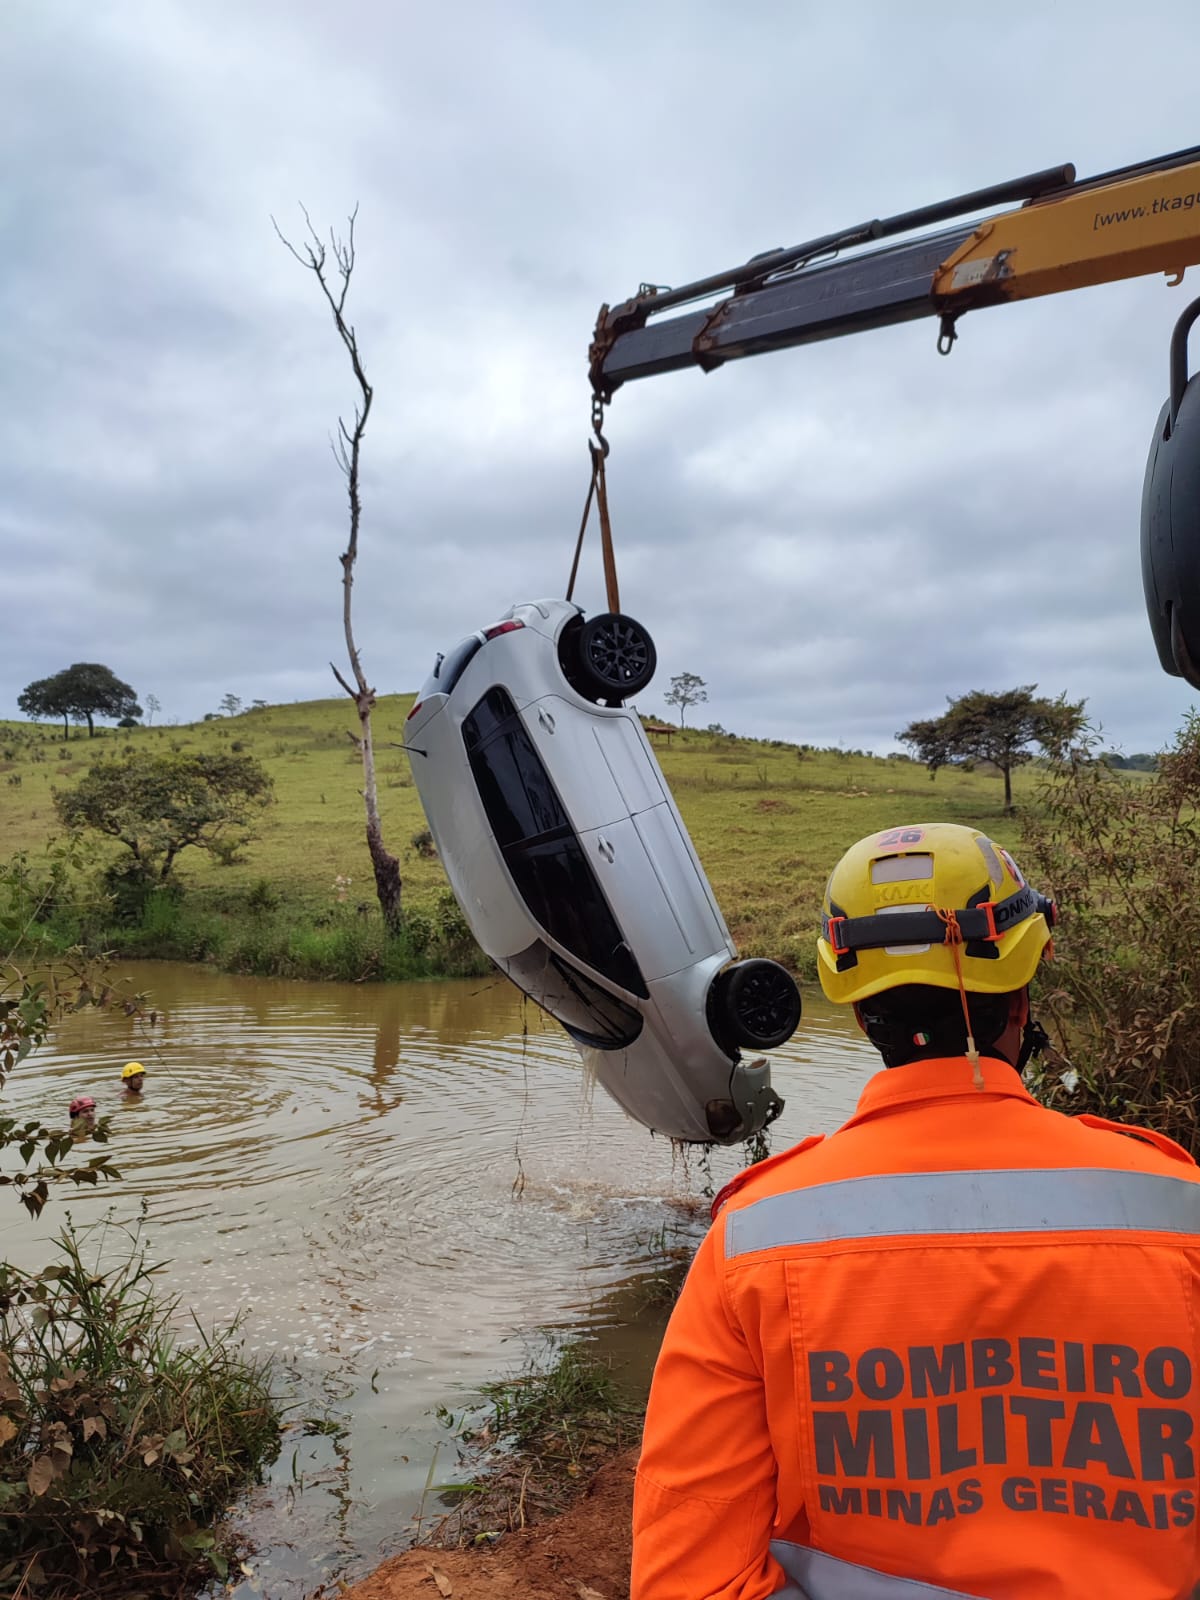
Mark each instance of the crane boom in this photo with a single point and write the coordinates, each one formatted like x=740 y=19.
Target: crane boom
x=1066 y=234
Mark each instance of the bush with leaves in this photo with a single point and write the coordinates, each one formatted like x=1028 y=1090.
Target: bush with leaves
x=1122 y=856
x=159 y=805
x=119 y=1443
x=28 y=1008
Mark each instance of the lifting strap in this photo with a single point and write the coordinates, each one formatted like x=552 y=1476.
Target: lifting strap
x=598 y=491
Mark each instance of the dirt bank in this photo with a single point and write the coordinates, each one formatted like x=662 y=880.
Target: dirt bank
x=586 y=1548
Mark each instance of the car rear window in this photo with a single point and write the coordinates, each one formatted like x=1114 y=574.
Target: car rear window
x=448 y=669
x=589 y=1013
x=541 y=849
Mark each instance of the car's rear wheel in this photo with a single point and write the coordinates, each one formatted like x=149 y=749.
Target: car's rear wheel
x=613 y=657
x=754 y=1005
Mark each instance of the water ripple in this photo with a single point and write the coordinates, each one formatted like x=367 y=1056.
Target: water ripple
x=387 y=1180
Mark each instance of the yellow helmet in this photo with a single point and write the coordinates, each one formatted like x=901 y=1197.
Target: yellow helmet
x=893 y=899
x=132 y=1069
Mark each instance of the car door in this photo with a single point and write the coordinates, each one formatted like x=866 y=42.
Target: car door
x=646 y=872
x=597 y=766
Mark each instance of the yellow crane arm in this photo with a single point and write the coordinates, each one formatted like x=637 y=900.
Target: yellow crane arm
x=1086 y=234
x=1062 y=235
x=1065 y=235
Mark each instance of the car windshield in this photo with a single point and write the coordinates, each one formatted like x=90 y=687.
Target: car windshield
x=589 y=1013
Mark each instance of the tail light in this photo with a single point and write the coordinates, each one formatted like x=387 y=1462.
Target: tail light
x=417 y=704
x=502 y=627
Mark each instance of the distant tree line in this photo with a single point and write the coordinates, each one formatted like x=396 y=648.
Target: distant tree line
x=1142 y=762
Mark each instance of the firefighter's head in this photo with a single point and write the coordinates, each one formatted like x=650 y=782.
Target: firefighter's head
x=922 y=924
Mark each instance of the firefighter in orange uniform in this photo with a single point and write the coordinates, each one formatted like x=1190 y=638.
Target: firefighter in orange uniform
x=951 y=1350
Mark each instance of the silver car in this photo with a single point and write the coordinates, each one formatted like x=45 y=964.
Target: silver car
x=573 y=867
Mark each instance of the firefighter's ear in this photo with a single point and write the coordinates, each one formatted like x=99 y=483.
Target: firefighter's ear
x=1018 y=1009
x=858 y=1016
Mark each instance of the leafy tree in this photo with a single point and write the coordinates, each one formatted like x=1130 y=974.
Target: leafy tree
x=153 y=707
x=47 y=697
x=160 y=805
x=686 y=690
x=85 y=690
x=999 y=728
x=231 y=704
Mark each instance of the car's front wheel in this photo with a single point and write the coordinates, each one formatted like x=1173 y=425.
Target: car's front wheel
x=613 y=657
x=754 y=1005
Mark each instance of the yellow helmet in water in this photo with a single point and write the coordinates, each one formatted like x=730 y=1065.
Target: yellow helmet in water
x=894 y=899
x=132 y=1069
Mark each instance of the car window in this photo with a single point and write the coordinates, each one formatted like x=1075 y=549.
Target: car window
x=558 y=885
x=448 y=669
x=515 y=787
x=454 y=663
x=542 y=851
x=589 y=1013
x=488 y=714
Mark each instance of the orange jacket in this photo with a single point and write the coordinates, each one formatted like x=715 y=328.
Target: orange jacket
x=955 y=1344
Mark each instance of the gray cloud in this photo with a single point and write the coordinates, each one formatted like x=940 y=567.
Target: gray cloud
x=835 y=538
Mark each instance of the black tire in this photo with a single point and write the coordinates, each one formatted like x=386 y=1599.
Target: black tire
x=615 y=657
x=754 y=1005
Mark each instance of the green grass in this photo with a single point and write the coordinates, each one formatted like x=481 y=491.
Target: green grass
x=532 y=1441
x=768 y=820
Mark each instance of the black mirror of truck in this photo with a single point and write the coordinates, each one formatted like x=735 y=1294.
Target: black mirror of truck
x=1171 y=517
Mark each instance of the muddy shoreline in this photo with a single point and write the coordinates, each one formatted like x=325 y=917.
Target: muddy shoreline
x=586 y=1547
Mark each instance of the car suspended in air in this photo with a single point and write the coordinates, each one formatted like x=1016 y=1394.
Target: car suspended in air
x=573 y=867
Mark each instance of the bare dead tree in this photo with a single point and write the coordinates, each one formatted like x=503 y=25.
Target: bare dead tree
x=347 y=447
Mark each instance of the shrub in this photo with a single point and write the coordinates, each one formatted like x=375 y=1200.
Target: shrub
x=119 y=1444
x=453 y=930
x=230 y=849
x=423 y=844
x=418 y=932
x=1122 y=855
x=261 y=897
x=129 y=884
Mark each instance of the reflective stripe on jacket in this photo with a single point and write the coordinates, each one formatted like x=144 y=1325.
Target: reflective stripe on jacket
x=951 y=1350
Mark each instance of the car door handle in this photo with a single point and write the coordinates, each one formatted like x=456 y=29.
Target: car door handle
x=605 y=849
x=546 y=720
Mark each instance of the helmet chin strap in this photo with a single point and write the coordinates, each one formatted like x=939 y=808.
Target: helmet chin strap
x=1034 y=1039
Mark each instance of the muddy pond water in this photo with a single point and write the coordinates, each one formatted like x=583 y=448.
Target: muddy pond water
x=397 y=1187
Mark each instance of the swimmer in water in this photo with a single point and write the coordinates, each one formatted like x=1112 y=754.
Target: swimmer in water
x=82 y=1112
x=133 y=1077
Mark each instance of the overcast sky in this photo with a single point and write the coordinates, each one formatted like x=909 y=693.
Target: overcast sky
x=835 y=538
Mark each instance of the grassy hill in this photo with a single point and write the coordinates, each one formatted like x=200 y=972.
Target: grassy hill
x=768 y=819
